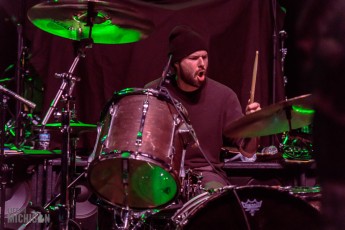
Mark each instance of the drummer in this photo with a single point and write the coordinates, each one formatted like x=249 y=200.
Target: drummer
x=211 y=106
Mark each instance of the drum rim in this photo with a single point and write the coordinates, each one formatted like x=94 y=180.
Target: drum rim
x=180 y=218
x=118 y=95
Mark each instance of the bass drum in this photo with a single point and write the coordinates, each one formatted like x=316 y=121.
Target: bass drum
x=248 y=207
x=138 y=151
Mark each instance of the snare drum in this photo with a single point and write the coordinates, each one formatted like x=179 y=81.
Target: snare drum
x=138 y=150
x=247 y=207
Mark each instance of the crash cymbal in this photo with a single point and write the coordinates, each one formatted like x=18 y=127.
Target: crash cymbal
x=76 y=127
x=274 y=118
x=111 y=23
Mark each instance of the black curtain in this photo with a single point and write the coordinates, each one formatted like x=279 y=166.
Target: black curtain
x=235 y=29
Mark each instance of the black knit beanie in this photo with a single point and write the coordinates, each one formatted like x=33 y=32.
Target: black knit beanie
x=183 y=41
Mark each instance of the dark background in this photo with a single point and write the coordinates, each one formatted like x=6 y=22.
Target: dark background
x=235 y=29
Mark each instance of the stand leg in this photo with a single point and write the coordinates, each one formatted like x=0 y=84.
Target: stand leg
x=3 y=166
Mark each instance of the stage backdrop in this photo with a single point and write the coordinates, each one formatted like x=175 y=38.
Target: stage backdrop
x=235 y=29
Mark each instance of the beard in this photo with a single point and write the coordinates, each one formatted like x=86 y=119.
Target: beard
x=190 y=79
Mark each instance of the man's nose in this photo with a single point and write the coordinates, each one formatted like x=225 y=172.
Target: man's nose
x=201 y=61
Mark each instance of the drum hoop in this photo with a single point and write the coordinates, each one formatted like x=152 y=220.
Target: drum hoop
x=180 y=217
x=118 y=95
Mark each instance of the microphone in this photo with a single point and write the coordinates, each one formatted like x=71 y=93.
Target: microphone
x=23 y=100
x=165 y=71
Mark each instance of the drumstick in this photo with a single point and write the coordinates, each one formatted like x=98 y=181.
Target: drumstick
x=255 y=70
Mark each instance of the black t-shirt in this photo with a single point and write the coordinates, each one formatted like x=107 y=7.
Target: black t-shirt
x=211 y=109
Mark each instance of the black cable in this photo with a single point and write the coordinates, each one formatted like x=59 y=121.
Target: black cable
x=243 y=212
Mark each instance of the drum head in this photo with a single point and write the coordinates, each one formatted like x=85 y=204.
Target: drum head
x=263 y=208
x=142 y=185
x=269 y=208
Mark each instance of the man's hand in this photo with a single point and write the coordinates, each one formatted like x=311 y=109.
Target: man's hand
x=252 y=107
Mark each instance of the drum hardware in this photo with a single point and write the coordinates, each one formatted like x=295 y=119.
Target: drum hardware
x=29 y=121
x=68 y=159
x=4 y=168
x=283 y=50
x=142 y=123
x=191 y=186
x=185 y=134
x=294 y=147
x=49 y=205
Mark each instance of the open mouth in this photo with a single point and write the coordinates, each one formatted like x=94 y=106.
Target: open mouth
x=201 y=75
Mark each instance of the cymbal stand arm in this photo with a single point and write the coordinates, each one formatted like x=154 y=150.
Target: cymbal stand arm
x=67 y=78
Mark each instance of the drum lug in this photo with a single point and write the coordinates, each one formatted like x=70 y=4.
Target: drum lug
x=177 y=120
x=138 y=142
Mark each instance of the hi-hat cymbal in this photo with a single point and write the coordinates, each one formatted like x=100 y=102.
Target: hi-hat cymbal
x=112 y=23
x=75 y=126
x=274 y=119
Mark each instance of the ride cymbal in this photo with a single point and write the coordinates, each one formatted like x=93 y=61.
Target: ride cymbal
x=283 y=116
x=104 y=22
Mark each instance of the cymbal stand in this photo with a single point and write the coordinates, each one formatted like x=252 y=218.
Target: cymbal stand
x=283 y=50
x=65 y=92
x=72 y=173
x=51 y=202
x=4 y=169
x=3 y=166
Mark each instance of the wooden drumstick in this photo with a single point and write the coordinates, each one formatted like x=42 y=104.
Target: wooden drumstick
x=255 y=70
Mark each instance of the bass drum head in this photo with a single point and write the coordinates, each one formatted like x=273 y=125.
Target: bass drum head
x=265 y=208
x=269 y=208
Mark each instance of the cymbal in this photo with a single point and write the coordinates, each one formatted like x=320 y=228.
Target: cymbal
x=76 y=127
x=112 y=23
x=274 y=118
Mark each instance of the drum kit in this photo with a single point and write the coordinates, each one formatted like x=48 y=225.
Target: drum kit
x=137 y=164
